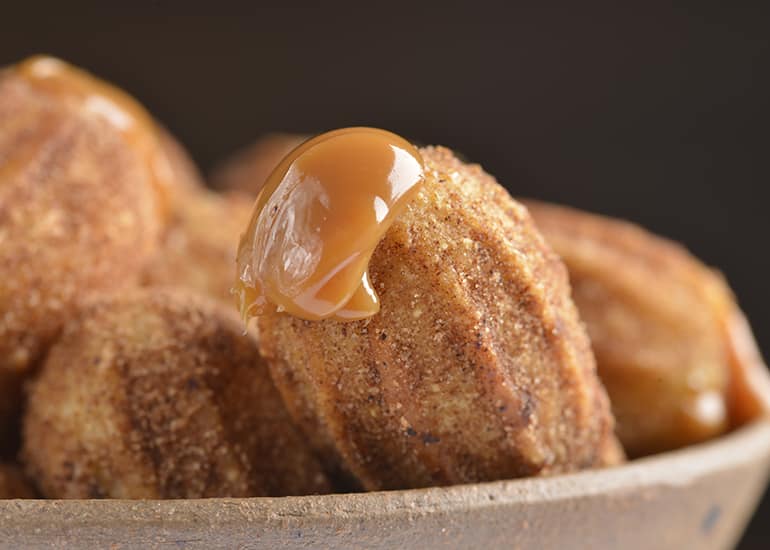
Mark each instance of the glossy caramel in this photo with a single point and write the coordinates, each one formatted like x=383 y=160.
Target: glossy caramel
x=317 y=221
x=77 y=87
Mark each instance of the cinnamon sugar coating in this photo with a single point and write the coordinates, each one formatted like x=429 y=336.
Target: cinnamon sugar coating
x=663 y=326
x=160 y=394
x=476 y=367
x=199 y=245
x=78 y=213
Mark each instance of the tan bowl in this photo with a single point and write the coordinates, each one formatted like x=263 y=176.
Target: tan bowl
x=700 y=497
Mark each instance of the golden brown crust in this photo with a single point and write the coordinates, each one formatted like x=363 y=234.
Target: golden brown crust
x=159 y=394
x=13 y=484
x=659 y=322
x=78 y=212
x=246 y=170
x=476 y=368
x=199 y=245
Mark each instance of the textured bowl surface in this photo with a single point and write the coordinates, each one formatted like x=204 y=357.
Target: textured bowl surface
x=700 y=497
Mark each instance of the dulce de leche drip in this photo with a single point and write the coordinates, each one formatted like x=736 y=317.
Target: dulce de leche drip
x=84 y=91
x=317 y=221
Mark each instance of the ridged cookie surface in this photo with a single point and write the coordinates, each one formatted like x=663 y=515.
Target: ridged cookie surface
x=160 y=394
x=477 y=366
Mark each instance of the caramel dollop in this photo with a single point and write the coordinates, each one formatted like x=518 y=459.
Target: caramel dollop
x=317 y=221
x=84 y=91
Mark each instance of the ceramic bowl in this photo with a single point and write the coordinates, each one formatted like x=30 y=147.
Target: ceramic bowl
x=699 y=497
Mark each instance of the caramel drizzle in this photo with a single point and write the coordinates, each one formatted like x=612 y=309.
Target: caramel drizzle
x=317 y=221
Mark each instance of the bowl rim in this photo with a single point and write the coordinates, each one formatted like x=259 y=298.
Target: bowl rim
x=743 y=446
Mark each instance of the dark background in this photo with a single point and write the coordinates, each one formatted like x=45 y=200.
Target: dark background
x=659 y=115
